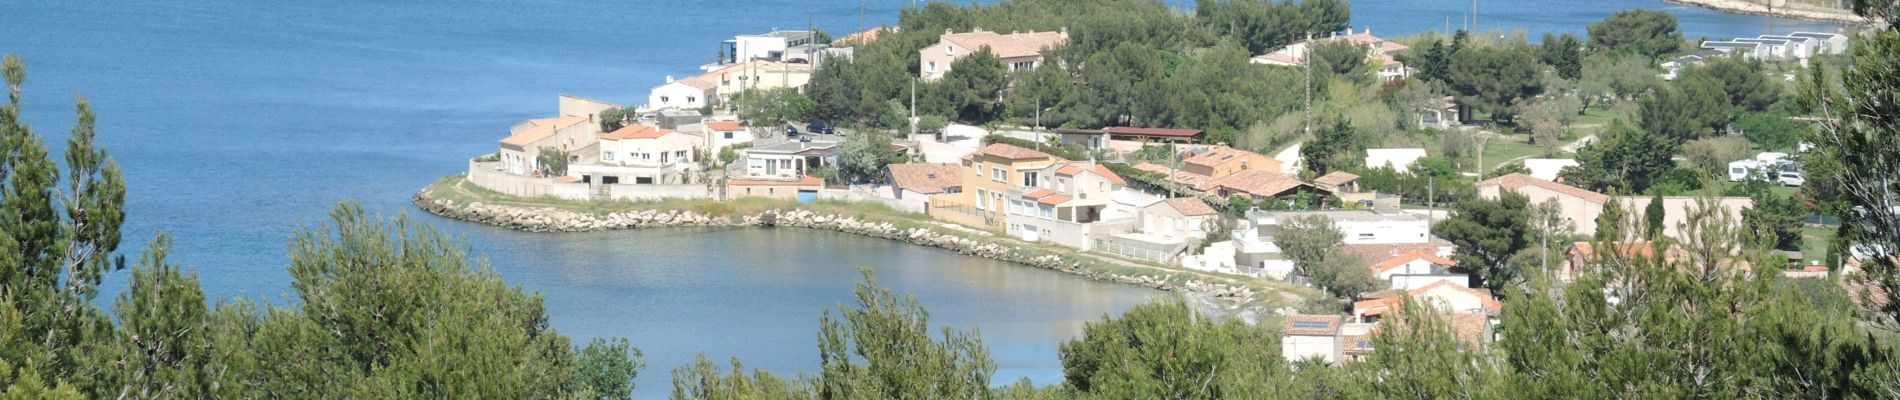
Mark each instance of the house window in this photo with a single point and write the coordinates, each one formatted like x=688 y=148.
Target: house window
x=680 y=155
x=982 y=199
x=1025 y=65
x=690 y=99
x=607 y=155
x=932 y=67
x=1365 y=236
x=665 y=99
x=728 y=135
x=949 y=50
x=999 y=175
x=1029 y=178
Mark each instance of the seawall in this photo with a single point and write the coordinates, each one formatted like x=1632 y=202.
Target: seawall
x=1236 y=298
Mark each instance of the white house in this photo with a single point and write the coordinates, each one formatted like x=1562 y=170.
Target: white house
x=1305 y=336
x=728 y=81
x=1359 y=226
x=1398 y=159
x=1749 y=50
x=783 y=159
x=640 y=154
x=1828 y=43
x=1770 y=49
x=1415 y=270
x=1379 y=52
x=723 y=134
x=770 y=46
x=1064 y=203
x=690 y=93
x=1799 y=47
x=1018 y=51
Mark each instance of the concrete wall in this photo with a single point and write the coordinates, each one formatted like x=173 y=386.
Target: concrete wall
x=483 y=174
x=787 y=190
x=1068 y=234
x=912 y=202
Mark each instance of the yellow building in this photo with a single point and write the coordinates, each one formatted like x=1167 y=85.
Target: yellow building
x=988 y=176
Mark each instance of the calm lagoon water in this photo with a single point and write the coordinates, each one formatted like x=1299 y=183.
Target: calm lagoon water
x=239 y=121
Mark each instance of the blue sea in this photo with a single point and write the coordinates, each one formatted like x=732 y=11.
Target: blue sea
x=239 y=121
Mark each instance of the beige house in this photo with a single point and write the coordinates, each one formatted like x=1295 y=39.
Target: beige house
x=803 y=188
x=730 y=80
x=1178 y=218
x=521 y=151
x=1444 y=296
x=1220 y=161
x=641 y=154
x=1019 y=51
x=921 y=181
x=1305 y=336
x=1581 y=207
x=1379 y=52
x=990 y=175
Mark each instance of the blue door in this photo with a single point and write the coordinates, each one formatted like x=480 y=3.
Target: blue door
x=807 y=196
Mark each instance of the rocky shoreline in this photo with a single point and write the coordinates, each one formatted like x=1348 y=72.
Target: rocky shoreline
x=1756 y=8
x=1233 y=297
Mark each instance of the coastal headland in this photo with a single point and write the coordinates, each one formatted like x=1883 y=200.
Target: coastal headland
x=1796 y=12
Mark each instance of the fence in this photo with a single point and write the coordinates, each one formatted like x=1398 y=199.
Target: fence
x=1157 y=252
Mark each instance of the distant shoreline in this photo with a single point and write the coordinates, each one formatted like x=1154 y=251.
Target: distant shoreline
x=1747 y=7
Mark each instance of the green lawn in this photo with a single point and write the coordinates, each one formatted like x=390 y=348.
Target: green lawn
x=1510 y=149
x=1814 y=242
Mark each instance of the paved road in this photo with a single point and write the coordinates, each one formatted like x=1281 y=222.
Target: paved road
x=1289 y=159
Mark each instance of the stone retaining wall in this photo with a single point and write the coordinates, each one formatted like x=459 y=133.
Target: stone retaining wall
x=557 y=220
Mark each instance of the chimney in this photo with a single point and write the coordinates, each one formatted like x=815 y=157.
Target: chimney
x=1368 y=30
x=1064 y=32
x=669 y=79
x=947 y=31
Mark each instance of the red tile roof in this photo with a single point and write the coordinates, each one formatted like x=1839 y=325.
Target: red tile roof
x=1189 y=206
x=1217 y=155
x=1382 y=306
x=1010 y=152
x=1334 y=179
x=1377 y=253
x=725 y=126
x=1054 y=199
x=1193 y=180
x=1516 y=180
x=926 y=178
x=539 y=129
x=1013 y=45
x=1259 y=182
x=1395 y=262
x=636 y=131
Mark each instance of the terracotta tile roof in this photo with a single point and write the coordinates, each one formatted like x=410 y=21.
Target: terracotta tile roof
x=1516 y=180
x=699 y=82
x=926 y=178
x=1279 y=57
x=1190 y=206
x=1334 y=179
x=1009 y=152
x=805 y=181
x=725 y=126
x=1376 y=253
x=1306 y=325
x=1038 y=193
x=1259 y=182
x=1395 y=262
x=1013 y=45
x=636 y=131
x=862 y=37
x=1193 y=180
x=1389 y=304
x=1075 y=168
x=1054 y=199
x=1217 y=155
x=539 y=129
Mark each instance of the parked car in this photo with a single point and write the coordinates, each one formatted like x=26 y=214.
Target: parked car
x=791 y=130
x=819 y=126
x=1790 y=175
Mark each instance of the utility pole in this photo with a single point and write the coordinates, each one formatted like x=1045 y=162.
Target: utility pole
x=1306 y=52
x=1474 y=15
x=913 y=110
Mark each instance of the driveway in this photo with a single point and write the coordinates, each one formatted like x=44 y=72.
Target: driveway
x=1289 y=159
x=961 y=140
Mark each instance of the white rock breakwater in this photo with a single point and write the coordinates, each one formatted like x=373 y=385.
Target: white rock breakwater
x=547 y=219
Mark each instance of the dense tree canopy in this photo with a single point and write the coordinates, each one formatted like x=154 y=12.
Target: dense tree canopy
x=1486 y=234
x=1623 y=159
x=1490 y=79
x=1646 y=33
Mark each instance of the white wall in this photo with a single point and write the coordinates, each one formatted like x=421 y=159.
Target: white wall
x=677 y=95
x=1299 y=347
x=1409 y=282
x=1386 y=232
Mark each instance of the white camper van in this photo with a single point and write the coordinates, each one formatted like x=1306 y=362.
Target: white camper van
x=1744 y=170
